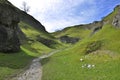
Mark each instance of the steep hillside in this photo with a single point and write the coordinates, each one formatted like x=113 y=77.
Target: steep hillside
x=93 y=52
x=9 y=20
x=23 y=37
x=96 y=57
x=37 y=39
x=76 y=33
x=29 y=30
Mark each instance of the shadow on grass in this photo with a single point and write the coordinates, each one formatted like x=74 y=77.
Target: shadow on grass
x=45 y=60
x=15 y=60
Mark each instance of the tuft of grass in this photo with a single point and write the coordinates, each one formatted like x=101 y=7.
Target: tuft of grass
x=93 y=46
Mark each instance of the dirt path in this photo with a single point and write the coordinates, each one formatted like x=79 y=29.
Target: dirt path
x=34 y=72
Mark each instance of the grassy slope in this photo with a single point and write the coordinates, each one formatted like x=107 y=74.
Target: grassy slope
x=32 y=45
x=11 y=64
x=66 y=65
x=75 y=31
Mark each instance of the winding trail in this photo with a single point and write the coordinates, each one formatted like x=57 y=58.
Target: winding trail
x=34 y=72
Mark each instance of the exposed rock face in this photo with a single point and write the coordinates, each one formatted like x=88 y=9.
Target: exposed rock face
x=9 y=20
x=46 y=41
x=116 y=20
x=67 y=39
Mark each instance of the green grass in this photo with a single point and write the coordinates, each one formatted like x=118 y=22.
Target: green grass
x=66 y=65
x=32 y=33
x=109 y=17
x=109 y=35
x=103 y=51
x=76 y=31
x=36 y=49
x=13 y=63
x=33 y=46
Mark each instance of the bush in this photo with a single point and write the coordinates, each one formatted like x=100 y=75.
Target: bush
x=93 y=46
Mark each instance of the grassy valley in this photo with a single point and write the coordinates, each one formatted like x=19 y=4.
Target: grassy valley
x=100 y=50
x=35 y=41
x=96 y=56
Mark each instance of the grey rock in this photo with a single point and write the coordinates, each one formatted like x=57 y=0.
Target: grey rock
x=9 y=20
x=116 y=20
x=47 y=42
x=67 y=39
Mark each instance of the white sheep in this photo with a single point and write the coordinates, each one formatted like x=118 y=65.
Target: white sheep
x=89 y=66
x=81 y=60
x=93 y=65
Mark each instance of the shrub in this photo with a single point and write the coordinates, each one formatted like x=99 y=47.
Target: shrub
x=93 y=46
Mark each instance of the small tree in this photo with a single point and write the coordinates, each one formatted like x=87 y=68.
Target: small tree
x=25 y=7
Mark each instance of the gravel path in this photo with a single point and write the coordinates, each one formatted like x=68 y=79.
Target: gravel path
x=34 y=72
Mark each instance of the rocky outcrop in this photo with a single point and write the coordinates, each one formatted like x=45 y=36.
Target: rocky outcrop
x=93 y=46
x=67 y=39
x=116 y=20
x=47 y=42
x=95 y=26
x=9 y=20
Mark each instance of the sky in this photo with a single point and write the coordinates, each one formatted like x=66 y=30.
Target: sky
x=58 y=14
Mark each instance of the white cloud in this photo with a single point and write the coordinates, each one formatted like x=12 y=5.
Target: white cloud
x=57 y=14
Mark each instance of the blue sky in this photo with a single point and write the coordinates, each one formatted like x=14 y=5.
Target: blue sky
x=58 y=14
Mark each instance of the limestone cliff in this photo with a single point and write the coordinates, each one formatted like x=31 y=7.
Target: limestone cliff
x=11 y=35
x=116 y=19
x=9 y=20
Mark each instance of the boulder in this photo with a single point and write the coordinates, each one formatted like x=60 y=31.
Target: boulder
x=67 y=39
x=9 y=20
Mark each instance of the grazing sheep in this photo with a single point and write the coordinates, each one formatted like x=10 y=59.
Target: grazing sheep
x=93 y=65
x=81 y=60
x=89 y=66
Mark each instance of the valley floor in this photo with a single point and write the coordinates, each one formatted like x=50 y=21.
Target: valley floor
x=34 y=72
